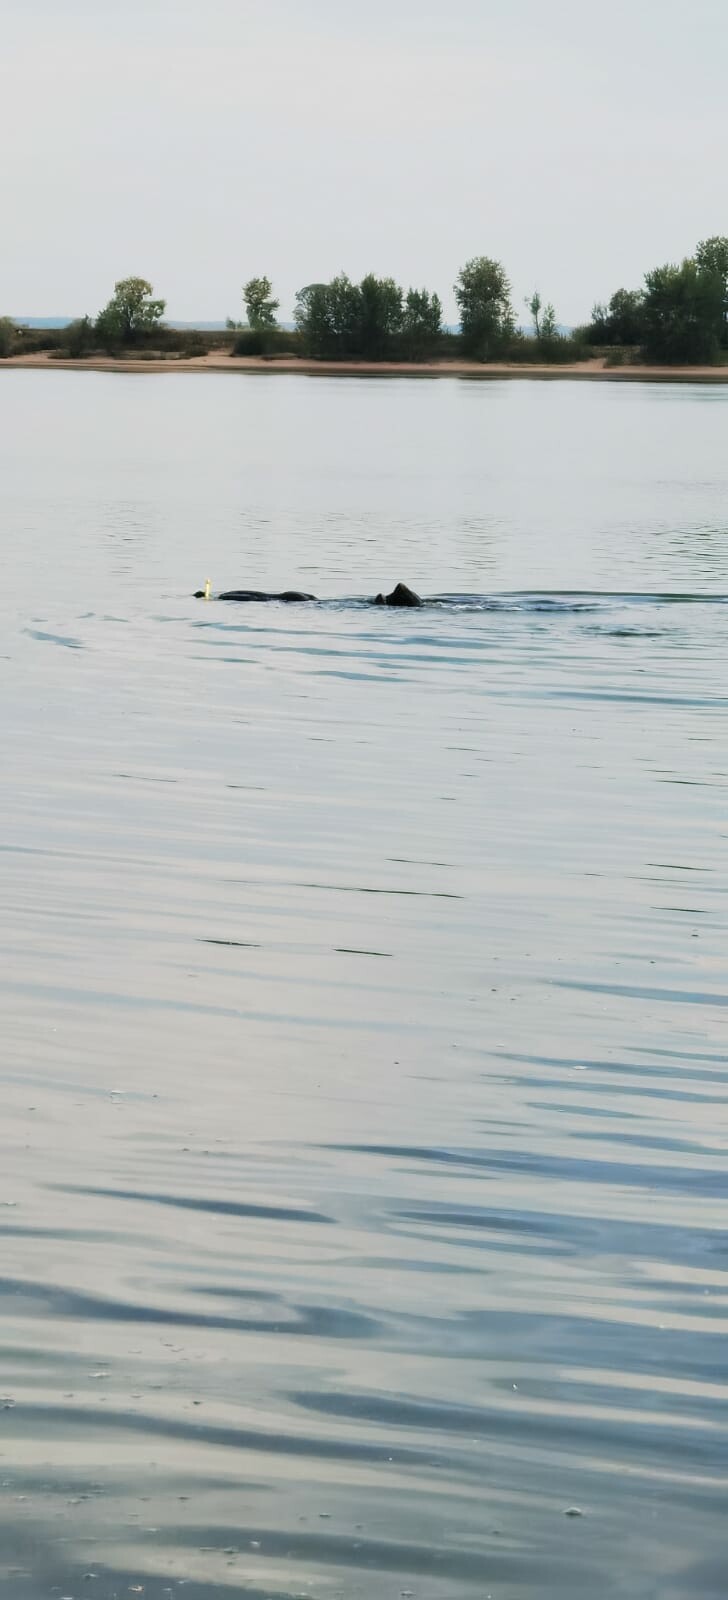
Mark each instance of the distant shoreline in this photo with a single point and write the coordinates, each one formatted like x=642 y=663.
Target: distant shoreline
x=586 y=371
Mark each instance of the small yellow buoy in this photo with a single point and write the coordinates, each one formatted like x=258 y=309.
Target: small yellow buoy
x=207 y=588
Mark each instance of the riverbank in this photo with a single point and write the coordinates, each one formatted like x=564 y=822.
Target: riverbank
x=217 y=361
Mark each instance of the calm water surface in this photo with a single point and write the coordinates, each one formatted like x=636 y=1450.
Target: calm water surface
x=363 y=1191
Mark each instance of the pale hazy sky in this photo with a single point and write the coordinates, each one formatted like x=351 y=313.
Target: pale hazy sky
x=199 y=142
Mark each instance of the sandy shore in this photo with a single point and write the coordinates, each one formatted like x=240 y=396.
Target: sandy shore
x=218 y=361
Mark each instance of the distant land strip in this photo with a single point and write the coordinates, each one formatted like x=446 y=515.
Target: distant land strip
x=594 y=370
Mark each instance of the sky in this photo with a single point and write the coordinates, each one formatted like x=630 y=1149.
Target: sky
x=201 y=142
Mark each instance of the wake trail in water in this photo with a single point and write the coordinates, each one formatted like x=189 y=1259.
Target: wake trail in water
x=564 y=601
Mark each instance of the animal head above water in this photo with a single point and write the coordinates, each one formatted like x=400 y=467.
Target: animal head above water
x=401 y=595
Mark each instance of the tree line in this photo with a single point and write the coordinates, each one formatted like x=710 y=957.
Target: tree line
x=679 y=316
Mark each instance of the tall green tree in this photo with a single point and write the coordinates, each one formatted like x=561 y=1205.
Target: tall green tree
x=421 y=323
x=311 y=315
x=626 y=316
x=131 y=314
x=683 y=313
x=534 y=305
x=549 y=332
x=483 y=295
x=380 y=316
x=345 y=314
x=260 y=306
x=619 y=322
x=712 y=256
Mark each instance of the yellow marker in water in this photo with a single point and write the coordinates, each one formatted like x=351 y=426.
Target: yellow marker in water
x=207 y=588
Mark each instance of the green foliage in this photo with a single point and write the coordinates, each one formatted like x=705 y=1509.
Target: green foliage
x=344 y=312
x=186 y=342
x=264 y=342
x=621 y=322
x=680 y=316
x=328 y=317
x=627 y=316
x=7 y=338
x=550 y=345
x=131 y=315
x=534 y=306
x=684 y=310
x=421 y=324
x=260 y=306
x=33 y=340
x=311 y=317
x=78 y=339
x=555 y=349
x=712 y=257
x=483 y=295
x=370 y=321
x=549 y=331
x=381 y=312
x=597 y=330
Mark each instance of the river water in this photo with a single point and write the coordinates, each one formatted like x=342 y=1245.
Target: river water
x=363 y=1191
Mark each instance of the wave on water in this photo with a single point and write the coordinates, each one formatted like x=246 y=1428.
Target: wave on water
x=562 y=601
x=567 y=600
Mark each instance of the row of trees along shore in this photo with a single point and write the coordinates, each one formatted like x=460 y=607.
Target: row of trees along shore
x=679 y=316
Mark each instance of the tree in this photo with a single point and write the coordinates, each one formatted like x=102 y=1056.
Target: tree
x=131 y=314
x=619 y=322
x=534 y=306
x=549 y=331
x=381 y=311
x=344 y=320
x=7 y=337
x=597 y=331
x=684 y=313
x=712 y=256
x=312 y=319
x=260 y=306
x=483 y=295
x=626 y=316
x=421 y=323
x=343 y=301
x=370 y=320
x=78 y=338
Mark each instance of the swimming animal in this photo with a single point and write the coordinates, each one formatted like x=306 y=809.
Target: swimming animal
x=401 y=595
x=288 y=595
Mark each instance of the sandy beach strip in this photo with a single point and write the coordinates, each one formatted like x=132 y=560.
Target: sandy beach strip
x=218 y=361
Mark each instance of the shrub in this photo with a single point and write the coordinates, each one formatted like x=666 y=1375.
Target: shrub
x=185 y=341
x=557 y=349
x=266 y=342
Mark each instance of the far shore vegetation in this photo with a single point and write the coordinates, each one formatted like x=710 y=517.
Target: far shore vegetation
x=678 y=317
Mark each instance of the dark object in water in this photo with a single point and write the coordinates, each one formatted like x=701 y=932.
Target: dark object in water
x=288 y=595
x=401 y=595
